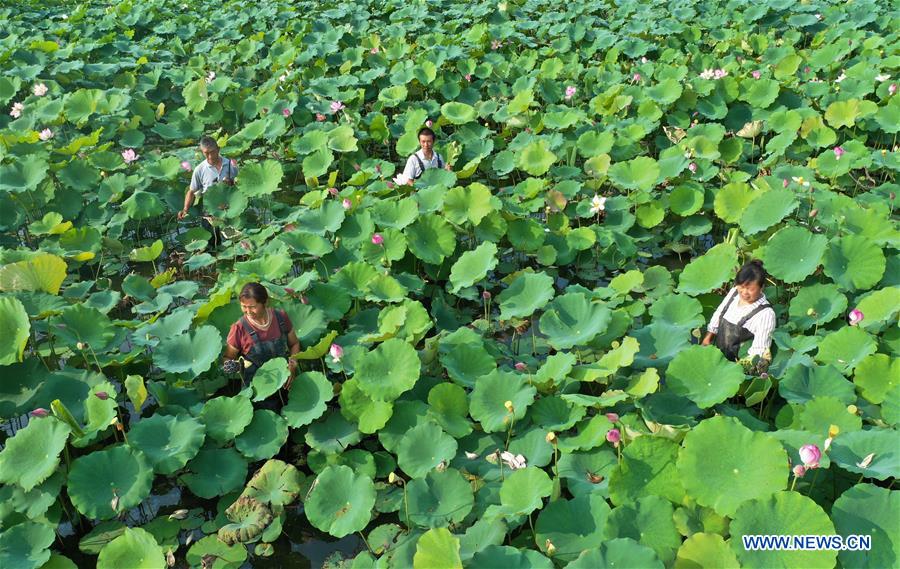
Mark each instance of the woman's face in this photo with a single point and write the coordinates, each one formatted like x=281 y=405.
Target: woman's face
x=253 y=309
x=211 y=154
x=749 y=291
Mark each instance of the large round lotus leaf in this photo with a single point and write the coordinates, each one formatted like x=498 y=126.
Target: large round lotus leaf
x=801 y=384
x=873 y=511
x=522 y=492
x=369 y=415
x=572 y=319
x=793 y=253
x=665 y=92
x=817 y=415
x=167 y=441
x=308 y=399
x=21 y=465
x=389 y=370
x=647 y=468
x=97 y=479
x=876 y=375
x=535 y=158
x=621 y=552
x=341 y=139
x=555 y=413
x=854 y=262
x=705 y=550
x=767 y=210
x=423 y=448
x=332 y=434
x=80 y=323
x=686 y=199
x=439 y=499
x=431 y=239
x=677 y=310
x=277 y=483
x=846 y=348
x=136 y=548
x=527 y=293
x=510 y=558
x=724 y=464
x=448 y=404
x=571 y=526
x=437 y=549
x=709 y=270
x=488 y=400
x=703 y=375
x=225 y=556
x=43 y=272
x=23 y=174
x=189 y=353
x=850 y=451
x=340 y=501
x=472 y=266
x=586 y=472
x=784 y=513
x=464 y=356
x=589 y=433
x=269 y=378
x=637 y=174
x=226 y=417
x=263 y=437
x=458 y=113
x=649 y=521
x=249 y=518
x=15 y=327
x=470 y=203
x=26 y=545
x=880 y=307
x=215 y=472
x=260 y=178
x=825 y=300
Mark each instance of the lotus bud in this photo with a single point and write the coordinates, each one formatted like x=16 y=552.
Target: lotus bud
x=509 y=406
x=346 y=203
x=179 y=514
x=114 y=503
x=186 y=166
x=333 y=191
x=892 y=88
x=784 y=183
x=614 y=436
x=810 y=455
x=838 y=152
x=692 y=167
x=551 y=549
x=336 y=352
x=429 y=123
x=486 y=295
x=520 y=366
x=756 y=74
x=827 y=444
x=864 y=463
x=170 y=558
x=855 y=317
x=814 y=212
x=377 y=239
x=799 y=471
x=102 y=395
x=612 y=417
x=320 y=117
x=286 y=112
x=551 y=437
x=39 y=413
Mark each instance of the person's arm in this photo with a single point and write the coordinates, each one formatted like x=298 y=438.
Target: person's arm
x=231 y=352
x=762 y=325
x=189 y=195
x=713 y=325
x=232 y=340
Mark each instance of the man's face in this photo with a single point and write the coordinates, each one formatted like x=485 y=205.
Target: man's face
x=749 y=292
x=211 y=154
x=426 y=141
x=253 y=309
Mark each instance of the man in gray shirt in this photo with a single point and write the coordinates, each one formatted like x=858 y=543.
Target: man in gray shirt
x=423 y=159
x=216 y=168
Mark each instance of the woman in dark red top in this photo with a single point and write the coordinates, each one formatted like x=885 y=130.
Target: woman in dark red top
x=261 y=334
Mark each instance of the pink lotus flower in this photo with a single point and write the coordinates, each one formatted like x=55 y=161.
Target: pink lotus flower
x=336 y=352
x=286 y=112
x=496 y=44
x=756 y=74
x=614 y=436
x=810 y=455
x=401 y=179
x=429 y=123
x=692 y=166
x=390 y=185
x=719 y=73
x=346 y=203
x=320 y=117
x=374 y=50
x=570 y=92
x=468 y=77
x=186 y=166
x=892 y=88
x=799 y=471
x=838 y=152
x=377 y=239
x=290 y=227
x=855 y=317
x=102 y=395
x=520 y=366
x=39 y=89
x=333 y=191
x=39 y=413
x=807 y=69
x=129 y=156
x=612 y=417
x=45 y=134
x=16 y=110
x=784 y=183
x=486 y=295
x=636 y=77
x=336 y=106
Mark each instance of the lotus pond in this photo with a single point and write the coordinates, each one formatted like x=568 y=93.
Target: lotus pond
x=519 y=382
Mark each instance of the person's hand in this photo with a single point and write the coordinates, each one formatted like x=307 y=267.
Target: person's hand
x=448 y=167
x=229 y=181
x=292 y=368
x=181 y=214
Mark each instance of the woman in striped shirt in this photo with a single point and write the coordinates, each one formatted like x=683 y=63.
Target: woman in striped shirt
x=744 y=314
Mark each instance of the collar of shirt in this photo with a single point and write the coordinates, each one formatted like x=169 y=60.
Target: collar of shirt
x=434 y=155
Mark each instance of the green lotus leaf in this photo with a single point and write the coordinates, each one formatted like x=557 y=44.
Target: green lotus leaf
x=686 y=199
x=15 y=327
x=536 y=158
x=649 y=522
x=879 y=307
x=259 y=178
x=783 y=513
x=705 y=550
x=269 y=378
x=761 y=93
x=572 y=526
x=26 y=545
x=846 y=348
x=148 y=253
x=395 y=214
x=639 y=173
x=850 y=450
x=437 y=500
x=824 y=300
x=389 y=370
x=793 y=253
x=876 y=375
x=801 y=384
x=263 y=437
x=556 y=369
x=492 y=391
x=842 y=113
x=572 y=319
x=268 y=266
x=189 y=353
x=526 y=235
x=340 y=501
x=167 y=441
x=473 y=266
x=587 y=472
x=464 y=356
x=355 y=278
x=556 y=414
x=522 y=492
x=719 y=452
x=341 y=139
x=458 y=113
x=277 y=483
x=647 y=468
x=665 y=92
x=43 y=272
x=621 y=552
x=709 y=271
x=136 y=548
x=496 y=555
x=878 y=511
x=703 y=375
x=589 y=433
x=437 y=549
x=854 y=262
x=25 y=174
x=677 y=310
x=470 y=203
x=249 y=518
x=317 y=163
x=393 y=96
x=817 y=415
x=107 y=482
x=222 y=201
x=309 y=395
x=226 y=417
x=449 y=406
x=307 y=243
x=527 y=293
x=732 y=200
x=82 y=324
x=215 y=472
x=51 y=224
x=333 y=434
x=211 y=547
x=423 y=448
x=369 y=414
x=20 y=465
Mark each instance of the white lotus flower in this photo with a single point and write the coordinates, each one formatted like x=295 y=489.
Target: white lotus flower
x=707 y=74
x=401 y=179
x=598 y=204
x=841 y=77
x=882 y=78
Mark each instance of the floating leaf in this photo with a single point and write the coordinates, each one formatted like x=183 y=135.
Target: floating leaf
x=340 y=501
